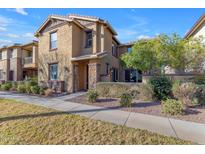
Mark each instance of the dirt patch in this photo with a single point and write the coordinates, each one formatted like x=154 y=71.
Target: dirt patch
x=194 y=114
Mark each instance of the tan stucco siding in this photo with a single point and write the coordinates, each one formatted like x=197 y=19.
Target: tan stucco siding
x=107 y=40
x=78 y=40
x=61 y=55
x=4 y=67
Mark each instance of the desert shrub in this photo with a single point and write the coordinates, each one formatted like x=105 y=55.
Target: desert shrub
x=21 y=88
x=35 y=89
x=186 y=93
x=200 y=95
x=92 y=95
x=48 y=92
x=172 y=107
x=6 y=86
x=162 y=87
x=103 y=89
x=13 y=89
x=110 y=89
x=199 y=79
x=42 y=90
x=126 y=100
x=142 y=92
x=33 y=81
x=14 y=84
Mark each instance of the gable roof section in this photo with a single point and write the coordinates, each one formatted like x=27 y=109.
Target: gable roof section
x=95 y=19
x=58 y=17
x=195 y=27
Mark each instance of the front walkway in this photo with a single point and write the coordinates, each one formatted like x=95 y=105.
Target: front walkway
x=185 y=130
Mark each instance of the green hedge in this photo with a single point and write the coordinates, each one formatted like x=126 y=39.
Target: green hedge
x=139 y=91
x=112 y=89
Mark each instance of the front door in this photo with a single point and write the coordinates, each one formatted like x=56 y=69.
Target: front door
x=11 y=75
x=87 y=77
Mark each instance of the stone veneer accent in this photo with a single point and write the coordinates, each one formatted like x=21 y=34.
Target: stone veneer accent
x=76 y=77
x=93 y=71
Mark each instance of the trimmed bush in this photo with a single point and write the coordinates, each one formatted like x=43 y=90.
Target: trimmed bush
x=92 y=95
x=126 y=100
x=35 y=89
x=142 y=92
x=6 y=86
x=42 y=90
x=199 y=79
x=162 y=87
x=186 y=93
x=112 y=89
x=200 y=95
x=12 y=89
x=48 y=92
x=21 y=88
x=172 y=107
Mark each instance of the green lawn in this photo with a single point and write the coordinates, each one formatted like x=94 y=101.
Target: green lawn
x=28 y=124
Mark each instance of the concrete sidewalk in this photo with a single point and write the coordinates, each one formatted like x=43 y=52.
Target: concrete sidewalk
x=185 y=130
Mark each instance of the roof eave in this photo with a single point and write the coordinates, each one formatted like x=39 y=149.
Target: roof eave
x=195 y=26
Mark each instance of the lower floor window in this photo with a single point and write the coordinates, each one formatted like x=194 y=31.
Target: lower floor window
x=53 y=71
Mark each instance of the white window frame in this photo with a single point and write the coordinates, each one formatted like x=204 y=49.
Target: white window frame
x=53 y=40
x=89 y=39
x=51 y=73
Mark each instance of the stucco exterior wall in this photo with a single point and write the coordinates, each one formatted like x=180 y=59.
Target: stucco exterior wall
x=200 y=31
x=61 y=55
x=4 y=66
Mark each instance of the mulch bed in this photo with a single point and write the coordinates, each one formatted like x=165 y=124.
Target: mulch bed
x=194 y=114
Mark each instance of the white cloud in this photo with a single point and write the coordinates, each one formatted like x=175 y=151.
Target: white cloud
x=21 y=11
x=28 y=35
x=143 y=37
x=4 y=21
x=5 y=42
x=2 y=29
x=138 y=26
x=12 y=36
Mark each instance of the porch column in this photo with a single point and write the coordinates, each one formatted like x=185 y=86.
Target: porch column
x=34 y=54
x=93 y=74
x=75 y=78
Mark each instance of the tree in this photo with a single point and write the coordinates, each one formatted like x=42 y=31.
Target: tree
x=165 y=50
x=183 y=54
x=143 y=55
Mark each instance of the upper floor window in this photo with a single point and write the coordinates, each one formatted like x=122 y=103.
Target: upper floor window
x=89 y=39
x=11 y=53
x=0 y=55
x=53 y=71
x=129 y=49
x=53 y=40
x=114 y=50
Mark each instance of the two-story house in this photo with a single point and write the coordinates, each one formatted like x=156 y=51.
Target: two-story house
x=18 y=62
x=79 y=51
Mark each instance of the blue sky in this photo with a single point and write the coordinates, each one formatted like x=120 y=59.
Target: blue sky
x=19 y=25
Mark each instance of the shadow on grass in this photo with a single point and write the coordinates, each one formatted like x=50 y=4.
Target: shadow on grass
x=49 y=114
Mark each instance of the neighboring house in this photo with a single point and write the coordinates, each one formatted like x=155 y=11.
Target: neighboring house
x=18 y=62
x=79 y=51
x=198 y=30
